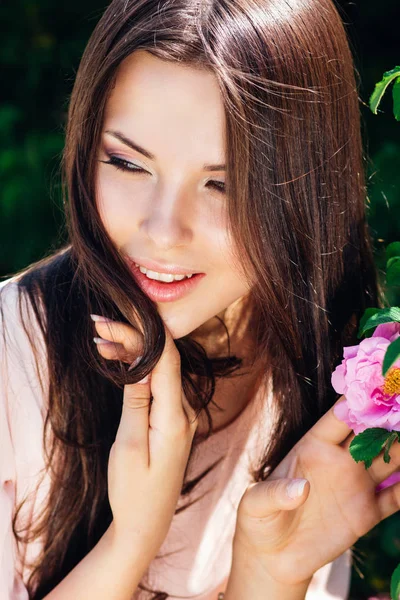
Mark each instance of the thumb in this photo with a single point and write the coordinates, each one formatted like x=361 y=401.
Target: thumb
x=134 y=424
x=270 y=496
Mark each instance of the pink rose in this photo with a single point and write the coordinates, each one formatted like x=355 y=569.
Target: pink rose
x=371 y=399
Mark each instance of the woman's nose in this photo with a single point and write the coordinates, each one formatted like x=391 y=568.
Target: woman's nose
x=167 y=222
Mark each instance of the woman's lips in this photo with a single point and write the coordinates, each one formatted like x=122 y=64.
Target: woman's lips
x=159 y=291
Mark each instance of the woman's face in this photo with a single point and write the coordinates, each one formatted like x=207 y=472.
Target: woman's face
x=173 y=210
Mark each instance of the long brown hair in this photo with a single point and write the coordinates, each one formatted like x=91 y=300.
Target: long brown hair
x=296 y=210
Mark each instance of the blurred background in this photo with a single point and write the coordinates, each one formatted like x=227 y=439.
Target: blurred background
x=41 y=45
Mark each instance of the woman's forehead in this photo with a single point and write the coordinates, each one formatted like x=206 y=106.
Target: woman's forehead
x=162 y=105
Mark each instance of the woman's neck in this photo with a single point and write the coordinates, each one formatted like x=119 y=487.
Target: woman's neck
x=237 y=319
x=232 y=394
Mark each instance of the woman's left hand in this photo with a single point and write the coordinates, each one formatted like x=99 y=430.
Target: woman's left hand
x=291 y=538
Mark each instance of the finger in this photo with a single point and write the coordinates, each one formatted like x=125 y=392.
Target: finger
x=170 y=403
x=121 y=333
x=388 y=500
x=329 y=428
x=125 y=344
x=267 y=514
x=347 y=442
x=133 y=430
x=379 y=470
x=270 y=496
x=113 y=351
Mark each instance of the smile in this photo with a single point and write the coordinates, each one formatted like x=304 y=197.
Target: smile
x=165 y=277
x=173 y=288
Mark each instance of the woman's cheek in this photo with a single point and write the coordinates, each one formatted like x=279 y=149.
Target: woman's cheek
x=119 y=201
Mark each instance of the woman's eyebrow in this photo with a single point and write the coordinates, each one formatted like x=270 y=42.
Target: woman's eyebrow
x=131 y=144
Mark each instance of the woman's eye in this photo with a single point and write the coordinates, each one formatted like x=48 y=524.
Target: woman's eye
x=219 y=186
x=124 y=165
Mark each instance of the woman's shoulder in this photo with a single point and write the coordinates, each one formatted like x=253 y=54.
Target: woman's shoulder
x=15 y=305
x=8 y=298
x=22 y=296
x=19 y=328
x=23 y=382
x=11 y=320
x=31 y=298
x=23 y=395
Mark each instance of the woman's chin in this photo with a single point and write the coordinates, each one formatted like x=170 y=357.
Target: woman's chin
x=177 y=326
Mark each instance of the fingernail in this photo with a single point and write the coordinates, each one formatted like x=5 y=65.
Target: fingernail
x=145 y=379
x=100 y=319
x=99 y=340
x=295 y=488
x=135 y=362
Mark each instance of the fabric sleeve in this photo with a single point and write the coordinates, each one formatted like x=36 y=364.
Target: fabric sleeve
x=21 y=426
x=332 y=582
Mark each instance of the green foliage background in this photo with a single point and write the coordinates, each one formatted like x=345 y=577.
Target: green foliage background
x=41 y=45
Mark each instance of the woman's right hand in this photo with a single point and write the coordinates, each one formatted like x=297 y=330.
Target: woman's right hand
x=149 y=456
x=290 y=533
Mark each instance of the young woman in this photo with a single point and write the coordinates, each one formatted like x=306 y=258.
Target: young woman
x=176 y=439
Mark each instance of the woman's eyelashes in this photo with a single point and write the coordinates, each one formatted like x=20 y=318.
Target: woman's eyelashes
x=124 y=165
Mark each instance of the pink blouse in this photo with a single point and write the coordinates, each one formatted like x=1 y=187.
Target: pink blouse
x=198 y=548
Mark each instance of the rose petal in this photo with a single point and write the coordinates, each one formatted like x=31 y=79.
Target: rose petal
x=391 y=480
x=387 y=330
x=337 y=379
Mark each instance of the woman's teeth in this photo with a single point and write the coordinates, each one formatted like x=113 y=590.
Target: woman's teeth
x=165 y=277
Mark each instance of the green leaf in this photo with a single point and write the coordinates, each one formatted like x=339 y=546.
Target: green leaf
x=384 y=315
x=389 y=443
x=393 y=250
x=393 y=272
x=368 y=463
x=391 y=355
x=395 y=584
x=396 y=99
x=380 y=88
x=367 y=314
x=368 y=445
x=392 y=261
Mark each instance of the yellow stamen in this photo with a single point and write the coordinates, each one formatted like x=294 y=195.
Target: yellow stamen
x=392 y=382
